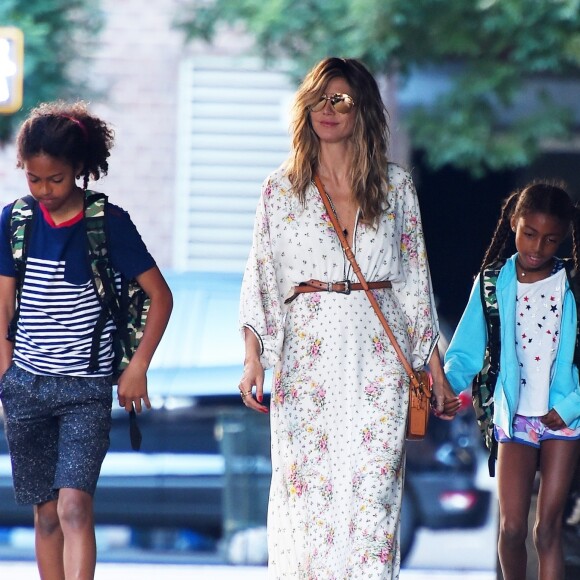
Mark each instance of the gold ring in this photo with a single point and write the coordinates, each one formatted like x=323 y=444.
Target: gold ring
x=245 y=394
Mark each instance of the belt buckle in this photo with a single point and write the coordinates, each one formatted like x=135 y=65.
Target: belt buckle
x=347 y=287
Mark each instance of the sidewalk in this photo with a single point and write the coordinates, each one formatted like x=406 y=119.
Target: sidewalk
x=112 y=571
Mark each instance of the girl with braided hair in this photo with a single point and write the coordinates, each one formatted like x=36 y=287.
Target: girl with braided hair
x=537 y=394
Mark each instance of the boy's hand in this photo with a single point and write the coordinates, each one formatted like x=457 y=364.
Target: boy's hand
x=132 y=389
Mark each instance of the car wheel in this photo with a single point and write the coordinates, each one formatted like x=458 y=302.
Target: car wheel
x=408 y=524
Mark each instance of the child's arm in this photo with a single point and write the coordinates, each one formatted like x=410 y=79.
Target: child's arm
x=132 y=386
x=466 y=352
x=564 y=386
x=7 y=304
x=445 y=402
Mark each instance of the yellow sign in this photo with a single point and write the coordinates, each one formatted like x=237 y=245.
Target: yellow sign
x=11 y=69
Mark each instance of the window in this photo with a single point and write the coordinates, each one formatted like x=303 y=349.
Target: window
x=232 y=132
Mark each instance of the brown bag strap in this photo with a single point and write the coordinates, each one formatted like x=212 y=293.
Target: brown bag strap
x=350 y=255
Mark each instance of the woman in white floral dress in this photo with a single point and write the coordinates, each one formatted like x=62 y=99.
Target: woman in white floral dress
x=339 y=398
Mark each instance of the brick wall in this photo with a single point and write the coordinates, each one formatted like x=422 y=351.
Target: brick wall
x=136 y=68
x=137 y=65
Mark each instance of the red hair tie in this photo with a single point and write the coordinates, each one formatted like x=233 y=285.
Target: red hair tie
x=79 y=123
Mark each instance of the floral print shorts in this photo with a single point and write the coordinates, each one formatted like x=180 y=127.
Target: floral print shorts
x=531 y=431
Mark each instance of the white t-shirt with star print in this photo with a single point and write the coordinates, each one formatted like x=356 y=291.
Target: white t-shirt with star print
x=538 y=317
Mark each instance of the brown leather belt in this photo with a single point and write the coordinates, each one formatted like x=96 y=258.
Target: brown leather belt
x=344 y=287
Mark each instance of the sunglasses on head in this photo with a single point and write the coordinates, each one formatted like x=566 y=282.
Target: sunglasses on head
x=341 y=103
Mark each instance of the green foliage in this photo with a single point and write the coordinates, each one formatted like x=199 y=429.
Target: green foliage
x=58 y=37
x=494 y=46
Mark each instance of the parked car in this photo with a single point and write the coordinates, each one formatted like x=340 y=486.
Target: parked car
x=204 y=466
x=204 y=463
x=441 y=490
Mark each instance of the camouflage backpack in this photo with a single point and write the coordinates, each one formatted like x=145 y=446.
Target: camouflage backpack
x=483 y=388
x=122 y=300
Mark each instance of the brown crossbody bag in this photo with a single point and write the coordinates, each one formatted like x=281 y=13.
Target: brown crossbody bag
x=420 y=383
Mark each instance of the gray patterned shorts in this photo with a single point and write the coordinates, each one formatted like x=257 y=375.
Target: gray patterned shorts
x=57 y=430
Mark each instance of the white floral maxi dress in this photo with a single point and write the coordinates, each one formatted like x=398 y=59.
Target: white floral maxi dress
x=339 y=398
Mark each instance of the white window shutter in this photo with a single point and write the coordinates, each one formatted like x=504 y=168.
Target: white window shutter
x=232 y=132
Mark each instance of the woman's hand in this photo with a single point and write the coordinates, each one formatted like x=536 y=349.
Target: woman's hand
x=444 y=402
x=553 y=421
x=253 y=376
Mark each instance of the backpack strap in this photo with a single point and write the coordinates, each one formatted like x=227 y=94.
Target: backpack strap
x=488 y=289
x=102 y=272
x=22 y=214
x=105 y=287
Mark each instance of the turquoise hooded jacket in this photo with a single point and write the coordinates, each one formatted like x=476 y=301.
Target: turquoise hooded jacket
x=465 y=356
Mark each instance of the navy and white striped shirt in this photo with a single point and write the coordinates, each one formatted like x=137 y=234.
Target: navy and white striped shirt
x=59 y=305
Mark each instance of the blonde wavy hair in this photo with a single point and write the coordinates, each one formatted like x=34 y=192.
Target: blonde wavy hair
x=368 y=173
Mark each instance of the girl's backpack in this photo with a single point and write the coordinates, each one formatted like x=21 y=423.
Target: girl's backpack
x=483 y=387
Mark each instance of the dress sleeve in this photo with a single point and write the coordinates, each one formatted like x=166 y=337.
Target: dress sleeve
x=260 y=301
x=415 y=292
